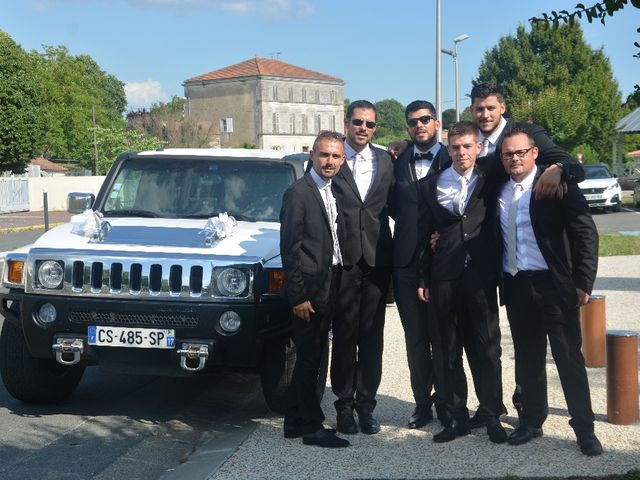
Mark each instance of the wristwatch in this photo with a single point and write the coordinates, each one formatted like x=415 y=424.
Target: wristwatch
x=559 y=165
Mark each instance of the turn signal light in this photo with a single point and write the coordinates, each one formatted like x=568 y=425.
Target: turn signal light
x=14 y=271
x=276 y=279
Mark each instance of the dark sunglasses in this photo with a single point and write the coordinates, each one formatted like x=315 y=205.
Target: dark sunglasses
x=357 y=122
x=425 y=119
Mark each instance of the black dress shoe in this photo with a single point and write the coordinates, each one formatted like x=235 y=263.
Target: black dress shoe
x=478 y=420
x=295 y=431
x=496 y=431
x=455 y=428
x=524 y=434
x=443 y=414
x=589 y=443
x=368 y=424
x=346 y=423
x=324 y=438
x=421 y=416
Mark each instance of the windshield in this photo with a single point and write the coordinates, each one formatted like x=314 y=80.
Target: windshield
x=199 y=188
x=593 y=172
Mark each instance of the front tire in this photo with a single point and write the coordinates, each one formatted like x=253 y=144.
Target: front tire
x=33 y=380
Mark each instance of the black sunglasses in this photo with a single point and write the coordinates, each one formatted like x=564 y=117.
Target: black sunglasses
x=425 y=119
x=357 y=122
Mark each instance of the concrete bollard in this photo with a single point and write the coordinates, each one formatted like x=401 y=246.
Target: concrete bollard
x=593 y=328
x=622 y=377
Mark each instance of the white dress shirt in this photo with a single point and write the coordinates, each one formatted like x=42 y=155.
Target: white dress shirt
x=449 y=185
x=528 y=253
x=332 y=213
x=363 y=165
x=493 y=138
x=423 y=165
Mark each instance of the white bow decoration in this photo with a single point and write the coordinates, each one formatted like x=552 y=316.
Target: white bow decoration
x=217 y=228
x=87 y=223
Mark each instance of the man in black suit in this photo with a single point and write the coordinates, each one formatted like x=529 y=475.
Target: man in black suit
x=363 y=188
x=311 y=250
x=549 y=259
x=458 y=280
x=425 y=158
x=488 y=109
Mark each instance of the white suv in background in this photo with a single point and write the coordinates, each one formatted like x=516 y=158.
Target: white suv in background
x=601 y=187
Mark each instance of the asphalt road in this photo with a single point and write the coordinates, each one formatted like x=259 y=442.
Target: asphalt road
x=133 y=427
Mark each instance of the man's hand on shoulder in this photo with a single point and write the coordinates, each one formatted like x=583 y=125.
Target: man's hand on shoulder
x=303 y=311
x=423 y=294
x=550 y=184
x=397 y=148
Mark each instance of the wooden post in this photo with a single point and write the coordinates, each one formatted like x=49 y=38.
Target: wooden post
x=593 y=326
x=622 y=377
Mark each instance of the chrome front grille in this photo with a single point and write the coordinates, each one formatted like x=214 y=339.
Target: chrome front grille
x=139 y=319
x=111 y=276
x=591 y=191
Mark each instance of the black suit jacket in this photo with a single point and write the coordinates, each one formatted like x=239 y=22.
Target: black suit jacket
x=461 y=236
x=568 y=240
x=405 y=204
x=549 y=152
x=306 y=244
x=368 y=235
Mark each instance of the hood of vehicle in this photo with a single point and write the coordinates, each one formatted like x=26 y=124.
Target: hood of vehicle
x=598 y=183
x=169 y=236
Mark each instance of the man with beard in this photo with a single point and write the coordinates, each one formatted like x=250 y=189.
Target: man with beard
x=425 y=158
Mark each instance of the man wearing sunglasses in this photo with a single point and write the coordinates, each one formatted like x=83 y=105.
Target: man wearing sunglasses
x=548 y=261
x=363 y=188
x=425 y=158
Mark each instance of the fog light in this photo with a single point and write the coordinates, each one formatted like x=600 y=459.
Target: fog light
x=47 y=314
x=229 y=322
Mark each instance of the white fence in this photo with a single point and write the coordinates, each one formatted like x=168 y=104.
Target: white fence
x=20 y=194
x=14 y=194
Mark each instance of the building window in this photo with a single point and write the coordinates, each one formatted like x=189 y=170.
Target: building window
x=304 y=96
x=305 y=148
x=305 y=126
x=275 y=93
x=333 y=123
x=276 y=123
x=317 y=95
x=292 y=123
x=226 y=125
x=333 y=97
x=318 y=124
x=291 y=94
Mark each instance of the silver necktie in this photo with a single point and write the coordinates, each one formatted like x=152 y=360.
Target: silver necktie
x=460 y=198
x=512 y=259
x=485 y=147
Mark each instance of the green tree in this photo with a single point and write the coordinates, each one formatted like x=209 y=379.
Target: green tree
x=553 y=78
x=448 y=118
x=20 y=106
x=390 y=118
x=75 y=86
x=114 y=141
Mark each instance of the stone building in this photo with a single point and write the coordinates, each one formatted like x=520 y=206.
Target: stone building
x=266 y=103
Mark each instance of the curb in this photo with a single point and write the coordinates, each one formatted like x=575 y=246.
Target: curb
x=28 y=228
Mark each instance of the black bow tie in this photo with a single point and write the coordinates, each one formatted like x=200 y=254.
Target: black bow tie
x=422 y=156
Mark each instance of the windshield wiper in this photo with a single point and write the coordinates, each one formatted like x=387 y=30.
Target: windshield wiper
x=215 y=214
x=130 y=213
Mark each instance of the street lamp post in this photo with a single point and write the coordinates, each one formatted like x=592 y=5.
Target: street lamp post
x=454 y=55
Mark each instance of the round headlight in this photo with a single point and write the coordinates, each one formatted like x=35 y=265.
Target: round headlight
x=47 y=314
x=229 y=322
x=50 y=274
x=231 y=282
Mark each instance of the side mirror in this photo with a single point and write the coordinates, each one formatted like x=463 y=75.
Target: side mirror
x=78 y=202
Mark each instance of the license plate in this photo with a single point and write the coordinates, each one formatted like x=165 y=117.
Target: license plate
x=593 y=197
x=131 y=337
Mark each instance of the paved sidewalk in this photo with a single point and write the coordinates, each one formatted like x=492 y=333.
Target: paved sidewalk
x=18 y=221
x=397 y=452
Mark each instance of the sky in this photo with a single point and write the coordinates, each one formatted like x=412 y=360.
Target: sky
x=381 y=49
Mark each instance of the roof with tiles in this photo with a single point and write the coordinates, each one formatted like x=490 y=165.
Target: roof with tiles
x=48 y=165
x=257 y=66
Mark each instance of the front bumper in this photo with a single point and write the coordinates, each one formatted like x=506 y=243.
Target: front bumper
x=194 y=323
